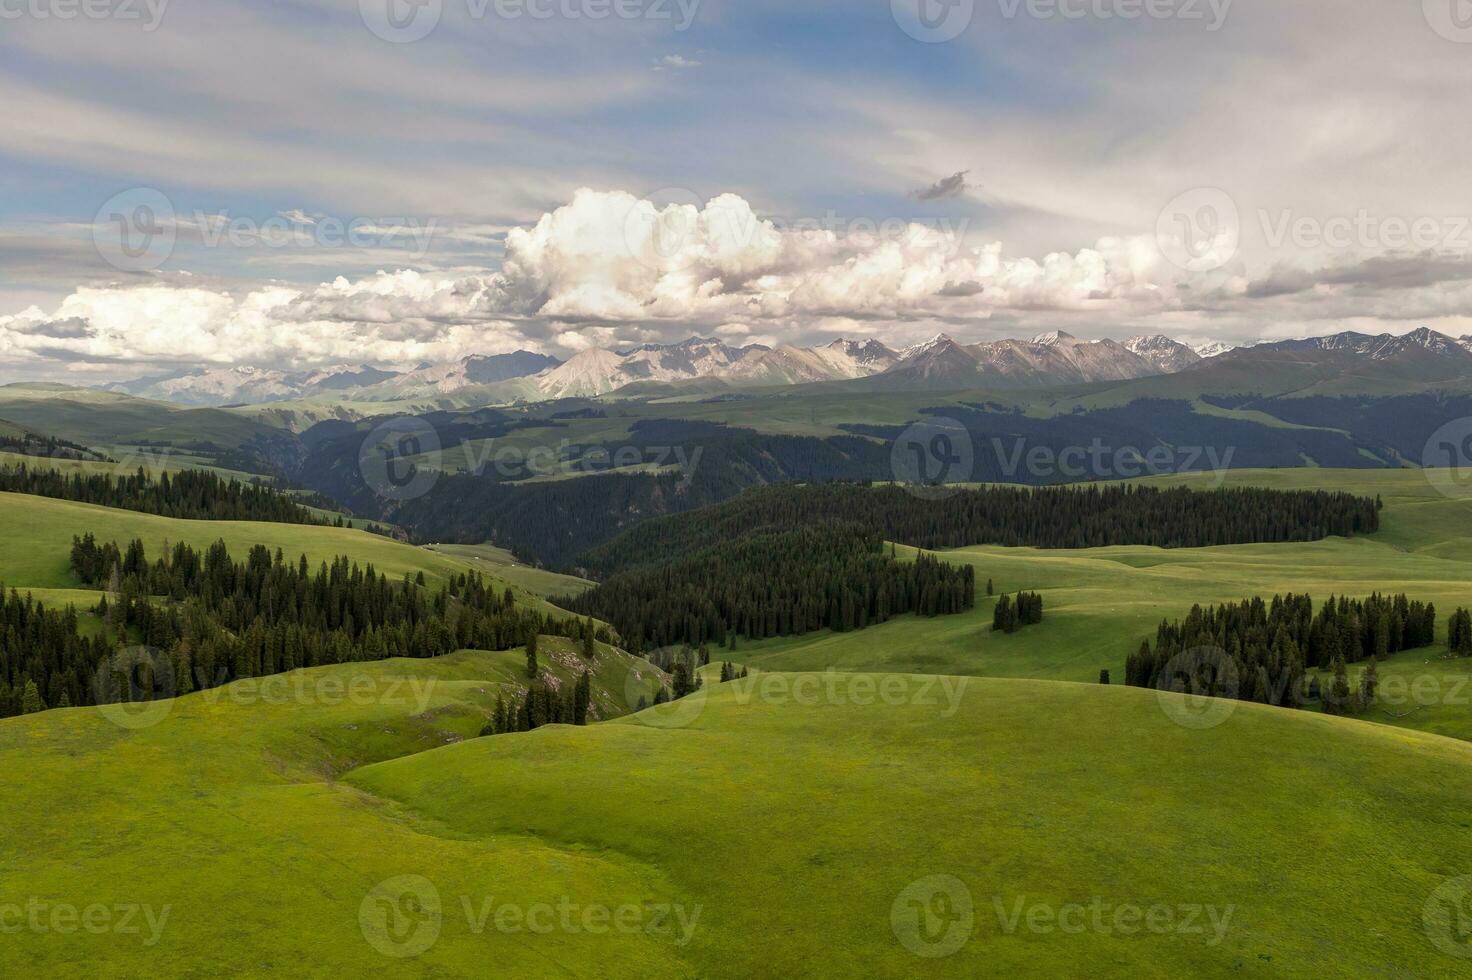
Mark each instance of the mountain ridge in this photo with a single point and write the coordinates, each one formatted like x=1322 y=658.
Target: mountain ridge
x=1051 y=359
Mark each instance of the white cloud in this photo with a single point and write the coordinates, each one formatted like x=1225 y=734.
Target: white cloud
x=609 y=269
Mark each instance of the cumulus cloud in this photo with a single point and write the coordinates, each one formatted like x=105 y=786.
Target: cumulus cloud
x=610 y=269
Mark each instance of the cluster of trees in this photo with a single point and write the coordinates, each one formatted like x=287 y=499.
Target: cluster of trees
x=1459 y=633
x=1055 y=517
x=1261 y=651
x=775 y=582
x=1009 y=615
x=45 y=662
x=211 y=619
x=191 y=494
x=730 y=672
x=542 y=705
x=50 y=447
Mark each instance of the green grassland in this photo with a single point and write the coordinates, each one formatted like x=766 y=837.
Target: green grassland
x=129 y=460
x=100 y=418
x=503 y=565
x=784 y=822
x=228 y=808
x=787 y=817
x=35 y=551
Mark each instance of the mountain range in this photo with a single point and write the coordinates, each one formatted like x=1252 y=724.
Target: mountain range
x=941 y=363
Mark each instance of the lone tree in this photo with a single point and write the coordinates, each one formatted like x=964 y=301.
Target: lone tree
x=588 y=638
x=582 y=695
x=1104 y=676
x=531 y=655
x=30 y=701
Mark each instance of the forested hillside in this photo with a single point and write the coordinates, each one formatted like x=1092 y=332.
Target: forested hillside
x=201 y=619
x=1068 y=517
x=189 y=494
x=775 y=582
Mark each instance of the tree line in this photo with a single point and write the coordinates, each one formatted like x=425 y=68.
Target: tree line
x=207 y=619
x=1261 y=651
x=50 y=447
x=774 y=582
x=188 y=494
x=1055 y=517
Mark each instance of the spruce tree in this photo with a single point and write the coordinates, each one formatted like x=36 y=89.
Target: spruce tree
x=582 y=695
x=30 y=701
x=1369 y=685
x=531 y=656
x=1104 y=676
x=1339 y=692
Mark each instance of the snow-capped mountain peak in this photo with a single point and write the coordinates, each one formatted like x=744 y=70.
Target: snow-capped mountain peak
x=1164 y=354
x=1052 y=338
x=938 y=342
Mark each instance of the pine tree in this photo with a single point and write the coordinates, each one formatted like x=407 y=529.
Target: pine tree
x=680 y=679
x=1339 y=693
x=1104 y=676
x=531 y=656
x=30 y=701
x=582 y=695
x=990 y=589
x=1369 y=685
x=588 y=649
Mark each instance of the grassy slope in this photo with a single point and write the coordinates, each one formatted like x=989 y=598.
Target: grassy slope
x=793 y=824
x=230 y=811
x=36 y=553
x=812 y=818
x=152 y=461
x=98 y=418
x=500 y=563
x=265 y=820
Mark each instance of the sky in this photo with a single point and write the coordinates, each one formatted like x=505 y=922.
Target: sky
x=304 y=183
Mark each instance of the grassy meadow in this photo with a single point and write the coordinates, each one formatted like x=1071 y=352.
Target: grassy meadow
x=943 y=802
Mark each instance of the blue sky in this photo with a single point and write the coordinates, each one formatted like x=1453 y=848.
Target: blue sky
x=1083 y=130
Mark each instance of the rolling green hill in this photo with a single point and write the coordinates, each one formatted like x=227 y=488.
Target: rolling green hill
x=784 y=824
x=501 y=564
x=36 y=553
x=828 y=824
